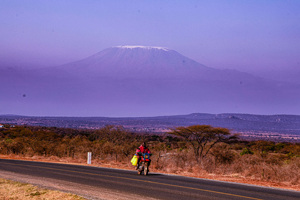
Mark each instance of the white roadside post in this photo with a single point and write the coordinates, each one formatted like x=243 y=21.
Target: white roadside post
x=89 y=158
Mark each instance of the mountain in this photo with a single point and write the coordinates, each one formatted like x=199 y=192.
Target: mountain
x=283 y=75
x=146 y=62
x=134 y=62
x=141 y=81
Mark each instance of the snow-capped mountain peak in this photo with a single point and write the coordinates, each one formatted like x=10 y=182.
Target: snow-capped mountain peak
x=142 y=47
x=138 y=80
x=137 y=61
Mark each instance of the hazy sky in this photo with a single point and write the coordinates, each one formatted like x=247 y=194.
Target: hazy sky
x=236 y=34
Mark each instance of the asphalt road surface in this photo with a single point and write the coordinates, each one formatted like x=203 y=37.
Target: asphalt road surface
x=154 y=185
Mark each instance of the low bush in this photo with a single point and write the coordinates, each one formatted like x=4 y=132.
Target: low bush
x=246 y=151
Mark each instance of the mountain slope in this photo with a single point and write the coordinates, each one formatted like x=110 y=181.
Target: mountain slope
x=146 y=62
x=134 y=62
x=141 y=81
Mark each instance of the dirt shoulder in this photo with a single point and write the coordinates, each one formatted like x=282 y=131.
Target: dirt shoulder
x=87 y=192
x=105 y=194
x=16 y=190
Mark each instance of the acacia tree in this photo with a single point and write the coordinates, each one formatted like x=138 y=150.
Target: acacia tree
x=203 y=137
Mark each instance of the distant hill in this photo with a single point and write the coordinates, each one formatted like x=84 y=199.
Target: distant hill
x=271 y=127
x=141 y=81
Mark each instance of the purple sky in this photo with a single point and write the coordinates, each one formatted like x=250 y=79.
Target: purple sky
x=237 y=34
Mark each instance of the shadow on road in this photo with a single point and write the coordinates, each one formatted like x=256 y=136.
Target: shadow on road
x=150 y=174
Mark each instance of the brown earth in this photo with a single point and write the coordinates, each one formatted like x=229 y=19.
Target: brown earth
x=15 y=190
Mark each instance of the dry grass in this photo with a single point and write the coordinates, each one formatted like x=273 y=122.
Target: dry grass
x=16 y=190
x=265 y=170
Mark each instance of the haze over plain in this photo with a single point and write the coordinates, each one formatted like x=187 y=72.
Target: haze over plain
x=257 y=37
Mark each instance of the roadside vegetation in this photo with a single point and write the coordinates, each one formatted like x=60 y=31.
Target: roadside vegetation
x=16 y=190
x=198 y=150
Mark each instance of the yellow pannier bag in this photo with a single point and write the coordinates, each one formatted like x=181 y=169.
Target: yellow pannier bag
x=134 y=160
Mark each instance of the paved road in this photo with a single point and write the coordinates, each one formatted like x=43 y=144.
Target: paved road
x=154 y=185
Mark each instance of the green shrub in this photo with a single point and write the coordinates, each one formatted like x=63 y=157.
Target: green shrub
x=8 y=140
x=246 y=151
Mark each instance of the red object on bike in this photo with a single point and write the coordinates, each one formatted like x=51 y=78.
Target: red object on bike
x=142 y=149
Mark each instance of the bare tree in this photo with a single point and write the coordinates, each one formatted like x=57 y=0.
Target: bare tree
x=203 y=137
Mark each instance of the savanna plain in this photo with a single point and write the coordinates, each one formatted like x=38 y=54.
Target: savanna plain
x=199 y=151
